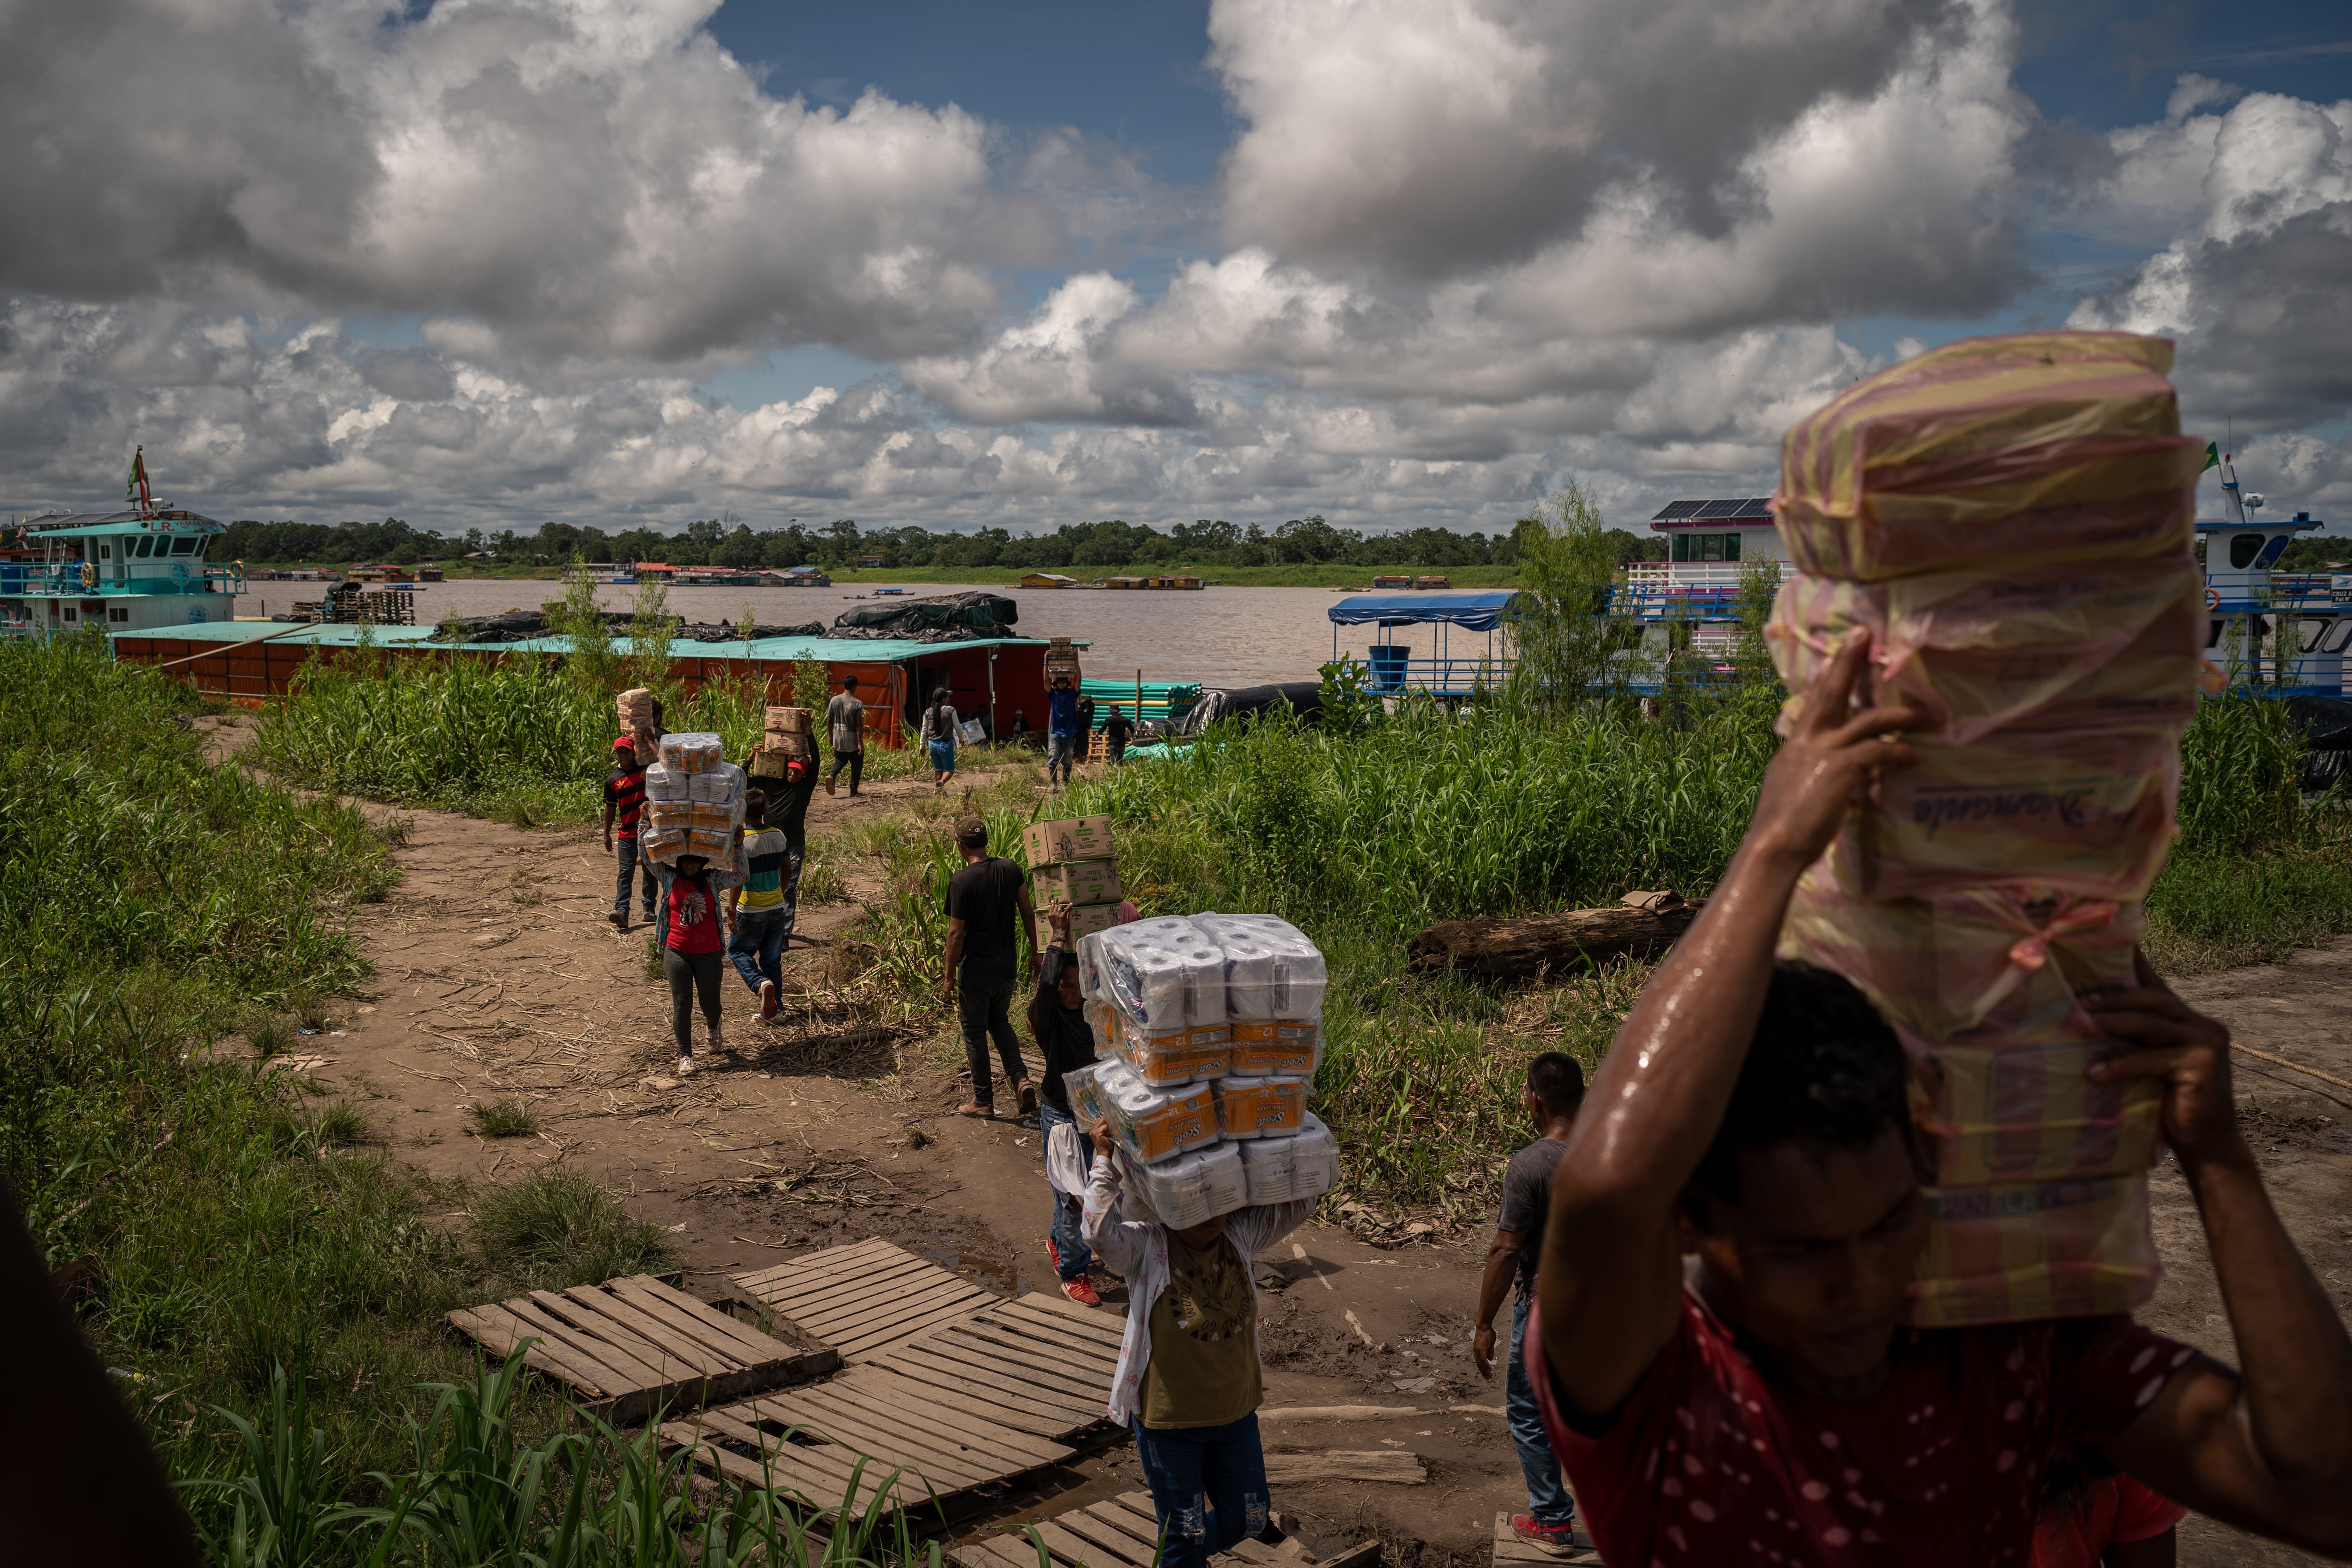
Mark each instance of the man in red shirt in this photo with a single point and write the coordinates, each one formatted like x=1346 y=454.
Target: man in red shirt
x=1766 y=1403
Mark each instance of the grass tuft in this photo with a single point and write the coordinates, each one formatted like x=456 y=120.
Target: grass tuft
x=502 y=1119
x=554 y=1229
x=342 y=1125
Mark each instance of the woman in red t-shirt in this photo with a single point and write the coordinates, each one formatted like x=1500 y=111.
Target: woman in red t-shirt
x=692 y=955
x=2102 y=1521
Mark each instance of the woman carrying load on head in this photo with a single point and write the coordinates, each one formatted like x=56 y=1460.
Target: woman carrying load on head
x=938 y=735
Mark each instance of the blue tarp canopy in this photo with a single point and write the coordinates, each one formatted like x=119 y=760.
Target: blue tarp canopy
x=1473 y=612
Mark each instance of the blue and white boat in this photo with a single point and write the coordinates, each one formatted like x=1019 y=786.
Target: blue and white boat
x=139 y=568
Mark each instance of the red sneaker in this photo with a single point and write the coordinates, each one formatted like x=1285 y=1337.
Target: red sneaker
x=1081 y=1292
x=1054 y=1253
x=1551 y=1540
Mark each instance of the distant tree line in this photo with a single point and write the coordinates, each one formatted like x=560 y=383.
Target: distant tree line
x=1301 y=542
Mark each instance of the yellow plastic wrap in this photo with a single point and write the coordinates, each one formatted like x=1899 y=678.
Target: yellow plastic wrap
x=1261 y=1107
x=2041 y=446
x=2051 y=1249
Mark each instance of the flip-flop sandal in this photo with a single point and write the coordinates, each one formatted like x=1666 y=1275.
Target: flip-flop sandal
x=985 y=1112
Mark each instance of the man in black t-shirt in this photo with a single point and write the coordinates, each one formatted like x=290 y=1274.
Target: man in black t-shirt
x=1116 y=730
x=1555 y=1089
x=982 y=899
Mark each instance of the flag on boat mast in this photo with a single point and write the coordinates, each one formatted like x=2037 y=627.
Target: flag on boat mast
x=2212 y=456
x=137 y=489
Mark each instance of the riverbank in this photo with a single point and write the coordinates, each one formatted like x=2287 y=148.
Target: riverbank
x=1327 y=575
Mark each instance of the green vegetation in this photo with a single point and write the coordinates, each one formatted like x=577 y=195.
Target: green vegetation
x=269 y=1282
x=502 y=1119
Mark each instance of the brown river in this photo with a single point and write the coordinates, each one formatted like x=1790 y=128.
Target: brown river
x=1218 y=637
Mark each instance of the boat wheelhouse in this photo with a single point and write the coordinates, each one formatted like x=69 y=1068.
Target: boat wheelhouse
x=137 y=570
x=2280 y=631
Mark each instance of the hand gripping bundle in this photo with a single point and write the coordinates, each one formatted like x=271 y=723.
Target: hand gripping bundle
x=2010 y=519
x=694 y=802
x=1208 y=1030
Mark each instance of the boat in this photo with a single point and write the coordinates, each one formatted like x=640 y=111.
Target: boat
x=800 y=577
x=142 y=568
x=887 y=592
x=716 y=577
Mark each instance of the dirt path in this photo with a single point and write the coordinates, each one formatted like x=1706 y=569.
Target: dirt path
x=497 y=978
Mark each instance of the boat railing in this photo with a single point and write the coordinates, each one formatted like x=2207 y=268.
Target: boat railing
x=66 y=577
x=1464 y=675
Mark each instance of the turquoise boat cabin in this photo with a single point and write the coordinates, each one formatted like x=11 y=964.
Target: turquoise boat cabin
x=122 y=572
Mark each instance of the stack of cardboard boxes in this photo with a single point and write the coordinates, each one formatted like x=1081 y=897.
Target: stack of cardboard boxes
x=789 y=732
x=1071 y=862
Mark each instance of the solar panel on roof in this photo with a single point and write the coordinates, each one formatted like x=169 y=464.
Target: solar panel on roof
x=1678 y=509
x=1719 y=509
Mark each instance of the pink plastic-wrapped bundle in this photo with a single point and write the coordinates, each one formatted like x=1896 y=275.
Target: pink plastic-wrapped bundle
x=2040 y=447
x=2009 y=518
x=2104 y=647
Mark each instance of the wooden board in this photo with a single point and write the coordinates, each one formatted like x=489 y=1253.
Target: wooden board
x=864 y=1298
x=1052 y=1356
x=1123 y=1533
x=866 y=1440
x=1509 y=1548
x=634 y=1346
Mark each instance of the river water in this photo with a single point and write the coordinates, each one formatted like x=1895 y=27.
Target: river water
x=1218 y=637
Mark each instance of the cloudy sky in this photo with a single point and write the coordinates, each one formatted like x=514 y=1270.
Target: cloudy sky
x=485 y=262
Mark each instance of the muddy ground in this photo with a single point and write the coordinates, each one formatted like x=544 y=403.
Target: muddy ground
x=497 y=977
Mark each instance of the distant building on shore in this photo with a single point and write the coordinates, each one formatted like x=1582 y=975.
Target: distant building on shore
x=1048 y=580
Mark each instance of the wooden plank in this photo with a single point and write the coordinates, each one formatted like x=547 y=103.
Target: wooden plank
x=665 y=1306
x=1144 y=1531
x=1008 y=1449
x=1005 y=1551
x=867 y=1432
x=1394 y=1465
x=1120 y=1544
x=1074 y=1550
x=844 y=1308
x=1023 y=1412
x=621 y=1310
x=864 y=1344
x=895 y=1392
x=1032 y=1364
x=1035 y=1352
x=1026 y=1382
x=1257 y=1551
x=597 y=1327
x=617 y=1374
x=1025 y=1313
x=730 y=1336
x=831 y=1255
x=841 y=1276
x=875 y=1312
x=499 y=1332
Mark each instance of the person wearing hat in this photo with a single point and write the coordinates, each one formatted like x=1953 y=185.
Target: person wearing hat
x=624 y=804
x=845 y=715
x=983 y=963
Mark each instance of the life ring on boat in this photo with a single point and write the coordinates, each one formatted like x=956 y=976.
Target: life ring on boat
x=89 y=576
x=2212 y=598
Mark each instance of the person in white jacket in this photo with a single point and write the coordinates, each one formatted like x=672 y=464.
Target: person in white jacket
x=1189 y=1382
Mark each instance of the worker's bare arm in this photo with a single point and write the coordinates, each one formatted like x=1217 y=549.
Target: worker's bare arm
x=2268 y=1447
x=1611 y=1278
x=1494 y=1285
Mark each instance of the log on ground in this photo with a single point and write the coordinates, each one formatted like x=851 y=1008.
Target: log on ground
x=1535 y=945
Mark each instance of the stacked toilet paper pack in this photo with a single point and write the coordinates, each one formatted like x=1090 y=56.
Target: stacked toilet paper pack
x=1208 y=1030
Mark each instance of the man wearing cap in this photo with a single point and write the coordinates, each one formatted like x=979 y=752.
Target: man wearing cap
x=845 y=715
x=625 y=802
x=983 y=963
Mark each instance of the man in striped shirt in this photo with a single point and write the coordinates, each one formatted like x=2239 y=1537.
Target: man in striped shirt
x=764 y=906
x=625 y=803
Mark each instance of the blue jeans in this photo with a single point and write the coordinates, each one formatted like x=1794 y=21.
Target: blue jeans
x=1061 y=751
x=1187 y=1465
x=633 y=866
x=942 y=756
x=757 y=947
x=1069 y=1241
x=1548 y=1501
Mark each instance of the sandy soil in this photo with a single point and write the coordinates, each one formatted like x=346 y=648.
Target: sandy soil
x=497 y=977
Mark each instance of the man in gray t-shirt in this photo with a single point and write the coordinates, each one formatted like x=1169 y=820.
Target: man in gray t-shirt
x=1555 y=1089
x=844 y=716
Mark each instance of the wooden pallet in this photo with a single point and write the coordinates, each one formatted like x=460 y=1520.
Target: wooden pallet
x=1042 y=1363
x=866 y=1440
x=1124 y=1533
x=1509 y=1548
x=864 y=1298
x=633 y=1345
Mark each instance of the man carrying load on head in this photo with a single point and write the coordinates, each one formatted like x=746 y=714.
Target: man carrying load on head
x=1753 y=1118
x=625 y=804
x=1064 y=732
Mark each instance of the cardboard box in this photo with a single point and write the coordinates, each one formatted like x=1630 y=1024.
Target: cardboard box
x=670 y=814
x=1079 y=839
x=1079 y=882
x=790 y=721
x=1088 y=919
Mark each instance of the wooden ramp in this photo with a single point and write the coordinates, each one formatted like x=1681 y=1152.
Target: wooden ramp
x=1042 y=1363
x=633 y=1345
x=864 y=1298
x=838 y=1443
x=1124 y=1533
